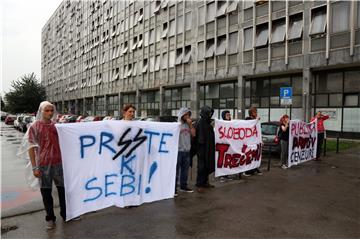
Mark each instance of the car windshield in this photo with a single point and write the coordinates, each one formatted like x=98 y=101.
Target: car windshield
x=269 y=129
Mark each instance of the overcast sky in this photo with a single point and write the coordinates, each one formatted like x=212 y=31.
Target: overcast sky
x=21 y=24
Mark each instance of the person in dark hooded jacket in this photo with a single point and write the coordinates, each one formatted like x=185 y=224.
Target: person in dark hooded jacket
x=205 y=139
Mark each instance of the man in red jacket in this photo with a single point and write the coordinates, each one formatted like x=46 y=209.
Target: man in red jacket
x=320 y=118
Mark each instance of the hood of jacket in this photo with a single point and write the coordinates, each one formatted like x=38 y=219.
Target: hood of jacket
x=182 y=112
x=206 y=113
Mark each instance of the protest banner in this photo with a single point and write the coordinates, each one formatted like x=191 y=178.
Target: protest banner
x=302 y=142
x=117 y=163
x=237 y=146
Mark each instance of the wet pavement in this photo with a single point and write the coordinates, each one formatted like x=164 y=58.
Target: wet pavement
x=16 y=197
x=312 y=200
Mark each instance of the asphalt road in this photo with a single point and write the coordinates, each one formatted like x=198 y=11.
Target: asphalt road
x=312 y=200
x=16 y=196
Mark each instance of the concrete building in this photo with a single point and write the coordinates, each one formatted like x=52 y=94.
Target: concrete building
x=161 y=55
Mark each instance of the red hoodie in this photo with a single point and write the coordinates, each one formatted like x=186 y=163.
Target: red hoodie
x=320 y=122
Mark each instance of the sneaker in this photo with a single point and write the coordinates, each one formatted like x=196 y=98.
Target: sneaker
x=259 y=172
x=187 y=190
x=176 y=194
x=201 y=189
x=229 y=178
x=247 y=174
x=222 y=179
x=50 y=225
x=284 y=166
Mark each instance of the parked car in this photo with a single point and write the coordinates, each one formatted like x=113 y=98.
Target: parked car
x=64 y=119
x=108 y=117
x=92 y=118
x=58 y=117
x=71 y=119
x=24 y=125
x=163 y=118
x=116 y=118
x=9 y=120
x=271 y=141
x=17 y=121
x=79 y=118
x=3 y=115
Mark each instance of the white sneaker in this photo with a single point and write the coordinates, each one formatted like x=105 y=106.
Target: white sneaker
x=50 y=225
x=284 y=166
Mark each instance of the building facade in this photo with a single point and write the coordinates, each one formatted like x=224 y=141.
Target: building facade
x=162 y=55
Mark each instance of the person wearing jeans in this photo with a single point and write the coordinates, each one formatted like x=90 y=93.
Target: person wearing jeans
x=54 y=173
x=183 y=161
x=44 y=152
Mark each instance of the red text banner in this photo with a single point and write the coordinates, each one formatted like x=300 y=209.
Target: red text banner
x=237 y=146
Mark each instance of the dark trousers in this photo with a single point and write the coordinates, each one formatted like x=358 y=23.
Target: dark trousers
x=182 y=169
x=202 y=178
x=49 y=203
x=319 y=144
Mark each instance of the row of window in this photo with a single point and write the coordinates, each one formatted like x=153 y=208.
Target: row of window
x=339 y=10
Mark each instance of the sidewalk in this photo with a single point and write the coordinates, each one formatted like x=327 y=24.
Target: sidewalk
x=312 y=200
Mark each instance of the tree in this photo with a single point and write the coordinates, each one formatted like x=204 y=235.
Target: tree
x=26 y=95
x=2 y=105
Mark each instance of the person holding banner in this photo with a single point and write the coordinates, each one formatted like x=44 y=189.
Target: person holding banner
x=284 y=140
x=128 y=115
x=187 y=131
x=205 y=140
x=225 y=115
x=319 y=118
x=252 y=116
x=128 y=112
x=42 y=144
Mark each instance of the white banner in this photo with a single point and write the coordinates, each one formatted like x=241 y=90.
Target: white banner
x=302 y=142
x=118 y=163
x=237 y=146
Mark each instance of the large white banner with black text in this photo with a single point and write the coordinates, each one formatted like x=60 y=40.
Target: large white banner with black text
x=302 y=142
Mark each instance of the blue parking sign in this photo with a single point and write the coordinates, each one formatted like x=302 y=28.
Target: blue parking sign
x=285 y=92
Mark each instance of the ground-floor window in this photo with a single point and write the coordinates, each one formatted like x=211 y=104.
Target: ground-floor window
x=264 y=94
x=58 y=106
x=150 y=103
x=113 y=106
x=176 y=98
x=100 y=106
x=128 y=99
x=88 y=106
x=337 y=94
x=220 y=97
x=80 y=109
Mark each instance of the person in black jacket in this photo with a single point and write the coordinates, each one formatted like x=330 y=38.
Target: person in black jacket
x=284 y=140
x=205 y=140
